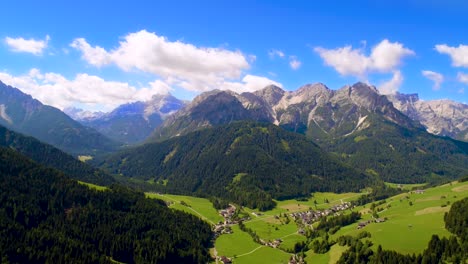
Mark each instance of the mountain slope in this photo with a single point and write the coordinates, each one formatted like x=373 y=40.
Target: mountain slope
x=132 y=123
x=249 y=163
x=356 y=122
x=47 y=218
x=49 y=156
x=440 y=117
x=22 y=113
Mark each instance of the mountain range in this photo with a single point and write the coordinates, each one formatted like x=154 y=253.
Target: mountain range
x=133 y=122
x=21 y=113
x=356 y=123
x=440 y=117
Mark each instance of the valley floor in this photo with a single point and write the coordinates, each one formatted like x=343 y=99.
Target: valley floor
x=412 y=218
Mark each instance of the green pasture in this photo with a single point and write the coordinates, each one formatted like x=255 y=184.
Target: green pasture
x=94 y=186
x=200 y=207
x=410 y=227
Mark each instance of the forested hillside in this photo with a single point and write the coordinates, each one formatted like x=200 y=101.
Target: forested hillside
x=50 y=156
x=47 y=218
x=403 y=155
x=249 y=163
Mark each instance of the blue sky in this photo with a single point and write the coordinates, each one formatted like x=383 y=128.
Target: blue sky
x=98 y=54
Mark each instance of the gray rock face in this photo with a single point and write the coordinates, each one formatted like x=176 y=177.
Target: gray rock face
x=313 y=109
x=440 y=117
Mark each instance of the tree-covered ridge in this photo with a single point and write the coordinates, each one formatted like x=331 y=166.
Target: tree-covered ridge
x=399 y=154
x=48 y=124
x=47 y=218
x=50 y=156
x=249 y=163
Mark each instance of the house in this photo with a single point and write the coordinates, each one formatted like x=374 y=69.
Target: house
x=363 y=224
x=379 y=220
x=419 y=191
x=225 y=259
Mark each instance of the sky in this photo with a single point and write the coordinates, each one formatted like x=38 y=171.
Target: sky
x=96 y=55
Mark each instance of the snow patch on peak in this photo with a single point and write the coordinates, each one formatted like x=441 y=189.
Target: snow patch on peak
x=4 y=115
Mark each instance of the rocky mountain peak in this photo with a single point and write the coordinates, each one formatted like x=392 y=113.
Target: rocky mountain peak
x=272 y=94
x=440 y=117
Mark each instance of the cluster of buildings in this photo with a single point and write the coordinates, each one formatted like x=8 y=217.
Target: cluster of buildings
x=274 y=244
x=309 y=217
x=224 y=227
x=295 y=259
x=365 y=223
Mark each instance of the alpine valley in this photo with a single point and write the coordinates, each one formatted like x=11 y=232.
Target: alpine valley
x=270 y=176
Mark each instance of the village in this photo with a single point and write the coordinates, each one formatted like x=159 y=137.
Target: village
x=310 y=217
x=307 y=218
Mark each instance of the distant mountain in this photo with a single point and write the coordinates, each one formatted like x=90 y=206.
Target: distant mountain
x=131 y=123
x=82 y=115
x=50 y=156
x=440 y=117
x=249 y=163
x=357 y=123
x=21 y=113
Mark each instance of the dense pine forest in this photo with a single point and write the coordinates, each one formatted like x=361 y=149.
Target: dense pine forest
x=245 y=162
x=46 y=217
x=52 y=157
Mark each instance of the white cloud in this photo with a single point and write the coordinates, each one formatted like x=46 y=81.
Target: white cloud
x=393 y=85
x=462 y=77
x=96 y=56
x=276 y=53
x=437 y=78
x=294 y=63
x=459 y=55
x=250 y=83
x=88 y=91
x=32 y=46
x=384 y=57
x=185 y=65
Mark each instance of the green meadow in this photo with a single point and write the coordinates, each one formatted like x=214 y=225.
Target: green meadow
x=412 y=218
x=200 y=207
x=93 y=186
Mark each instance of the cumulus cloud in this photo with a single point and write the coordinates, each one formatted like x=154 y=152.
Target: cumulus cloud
x=90 y=92
x=250 y=83
x=294 y=63
x=32 y=46
x=393 y=85
x=182 y=64
x=462 y=77
x=459 y=55
x=384 y=57
x=437 y=78
x=95 y=56
x=276 y=53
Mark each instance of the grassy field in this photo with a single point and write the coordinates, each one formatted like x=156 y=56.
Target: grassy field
x=407 y=187
x=235 y=244
x=200 y=207
x=412 y=218
x=93 y=186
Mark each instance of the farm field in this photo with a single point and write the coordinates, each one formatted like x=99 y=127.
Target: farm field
x=412 y=218
x=200 y=207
